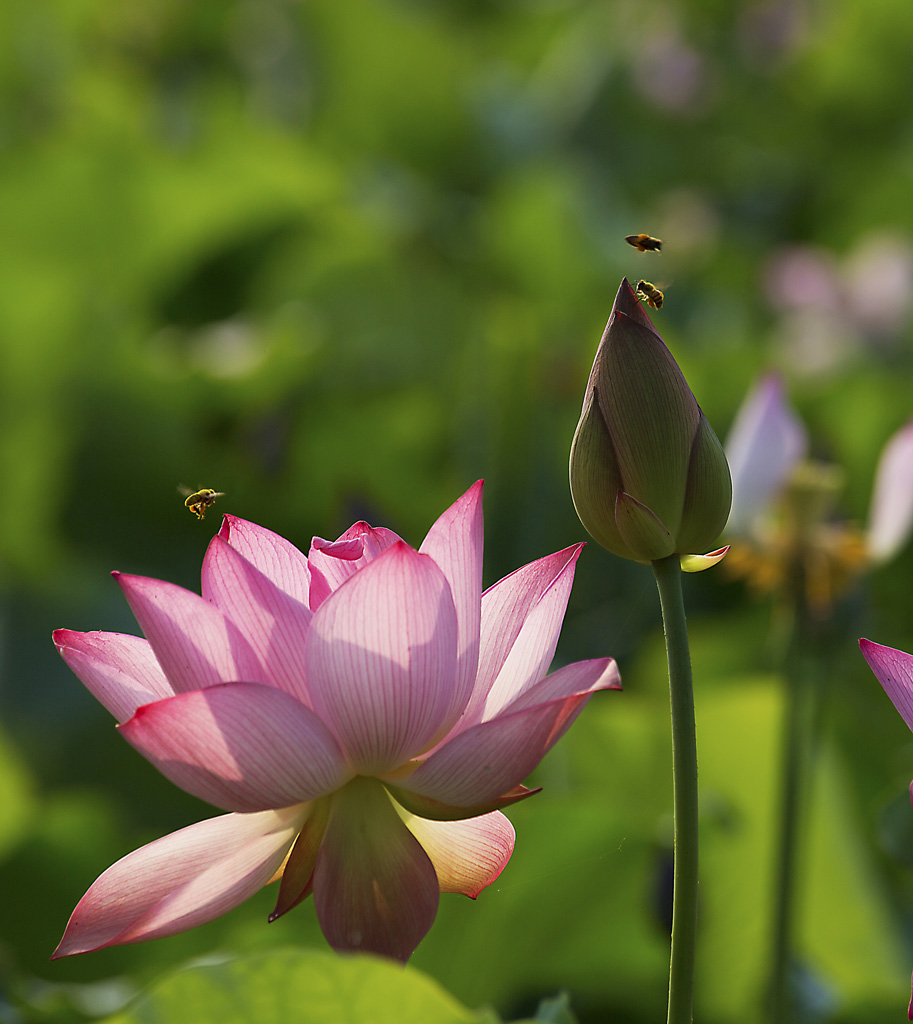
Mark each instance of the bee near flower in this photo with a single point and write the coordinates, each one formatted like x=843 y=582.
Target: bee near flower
x=199 y=501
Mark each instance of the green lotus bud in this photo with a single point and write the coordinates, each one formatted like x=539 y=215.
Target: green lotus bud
x=649 y=477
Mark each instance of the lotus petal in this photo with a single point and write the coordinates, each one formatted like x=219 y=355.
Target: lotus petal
x=119 y=670
x=381 y=659
x=182 y=880
x=375 y=888
x=241 y=746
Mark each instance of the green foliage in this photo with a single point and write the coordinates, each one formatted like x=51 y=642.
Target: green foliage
x=290 y=984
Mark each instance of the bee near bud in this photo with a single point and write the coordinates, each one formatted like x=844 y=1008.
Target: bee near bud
x=649 y=293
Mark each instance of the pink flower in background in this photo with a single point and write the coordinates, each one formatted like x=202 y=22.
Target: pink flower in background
x=894 y=670
x=834 y=307
x=361 y=712
x=768 y=442
x=784 y=524
x=891 y=507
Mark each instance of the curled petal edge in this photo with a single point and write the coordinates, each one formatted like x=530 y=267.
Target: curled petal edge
x=698 y=563
x=426 y=807
x=467 y=855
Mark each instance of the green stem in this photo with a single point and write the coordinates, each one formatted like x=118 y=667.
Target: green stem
x=799 y=726
x=684 y=781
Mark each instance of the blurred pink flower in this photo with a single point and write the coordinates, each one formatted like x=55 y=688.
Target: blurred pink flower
x=833 y=308
x=783 y=526
x=891 y=506
x=803 y=276
x=768 y=442
x=362 y=712
x=894 y=670
x=671 y=73
x=878 y=284
x=765 y=444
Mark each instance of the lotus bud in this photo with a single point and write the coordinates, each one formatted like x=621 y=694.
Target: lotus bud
x=649 y=477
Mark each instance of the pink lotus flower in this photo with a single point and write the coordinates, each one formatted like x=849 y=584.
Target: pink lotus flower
x=894 y=670
x=361 y=712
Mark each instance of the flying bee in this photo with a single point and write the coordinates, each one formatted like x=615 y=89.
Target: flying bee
x=199 y=501
x=649 y=293
x=644 y=243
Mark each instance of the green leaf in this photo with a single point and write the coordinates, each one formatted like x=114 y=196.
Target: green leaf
x=299 y=985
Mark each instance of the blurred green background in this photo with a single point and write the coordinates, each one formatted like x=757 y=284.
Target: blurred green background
x=340 y=260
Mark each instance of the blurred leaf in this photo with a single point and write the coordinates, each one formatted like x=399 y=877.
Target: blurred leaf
x=846 y=938
x=17 y=800
x=556 y=1010
x=575 y=908
x=896 y=829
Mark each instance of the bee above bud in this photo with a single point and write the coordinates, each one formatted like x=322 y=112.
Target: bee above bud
x=644 y=243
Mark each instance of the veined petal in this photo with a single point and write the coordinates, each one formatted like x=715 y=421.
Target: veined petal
x=455 y=543
x=332 y=562
x=273 y=623
x=891 y=511
x=572 y=680
x=534 y=648
x=467 y=855
x=120 y=671
x=181 y=881
x=375 y=889
x=474 y=768
x=241 y=746
x=381 y=659
x=479 y=764
x=765 y=444
x=894 y=670
x=277 y=558
x=518 y=637
x=196 y=645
